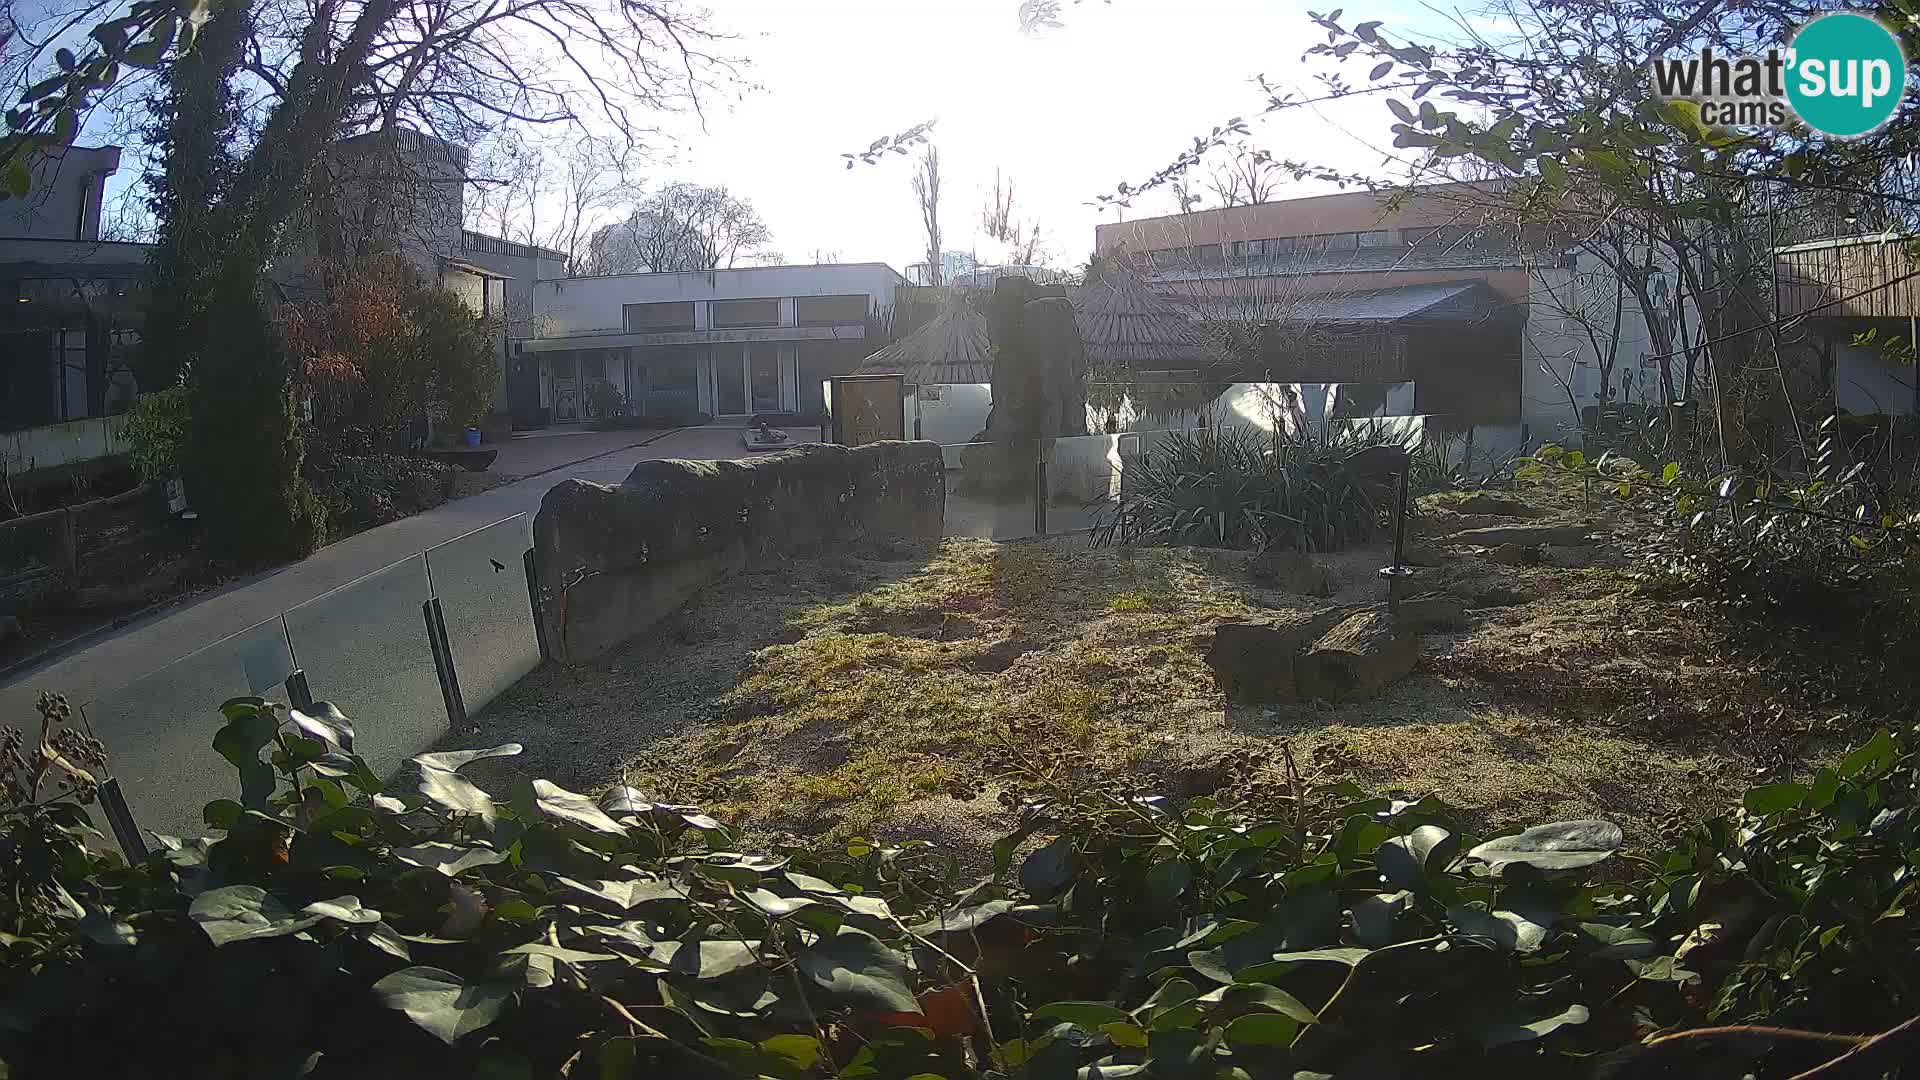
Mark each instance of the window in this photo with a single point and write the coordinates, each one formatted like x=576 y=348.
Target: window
x=1284 y=245
x=659 y=318
x=734 y=314
x=1341 y=241
x=830 y=310
x=1376 y=238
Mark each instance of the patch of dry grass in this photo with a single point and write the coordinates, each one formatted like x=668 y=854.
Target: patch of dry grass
x=846 y=695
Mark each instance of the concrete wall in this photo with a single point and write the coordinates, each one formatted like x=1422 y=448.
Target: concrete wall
x=63 y=201
x=596 y=304
x=63 y=444
x=1865 y=381
x=612 y=561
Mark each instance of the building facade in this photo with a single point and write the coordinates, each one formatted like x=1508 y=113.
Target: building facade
x=71 y=306
x=1490 y=322
x=725 y=343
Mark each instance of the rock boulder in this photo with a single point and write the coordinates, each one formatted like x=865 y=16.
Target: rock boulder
x=613 y=561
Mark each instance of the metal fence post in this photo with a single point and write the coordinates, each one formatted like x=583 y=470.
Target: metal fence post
x=1039 y=487
x=533 y=601
x=436 y=621
x=113 y=802
x=299 y=694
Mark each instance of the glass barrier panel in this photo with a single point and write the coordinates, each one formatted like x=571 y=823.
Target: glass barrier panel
x=990 y=490
x=364 y=648
x=159 y=728
x=481 y=581
x=1083 y=481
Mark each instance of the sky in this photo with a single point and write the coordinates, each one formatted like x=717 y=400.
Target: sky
x=1113 y=95
x=1066 y=114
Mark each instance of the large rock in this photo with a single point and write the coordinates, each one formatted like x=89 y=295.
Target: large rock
x=1357 y=659
x=1337 y=655
x=1253 y=659
x=1434 y=611
x=1530 y=535
x=612 y=561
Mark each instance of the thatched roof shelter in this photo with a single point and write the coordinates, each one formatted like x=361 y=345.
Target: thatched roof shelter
x=1124 y=323
x=952 y=348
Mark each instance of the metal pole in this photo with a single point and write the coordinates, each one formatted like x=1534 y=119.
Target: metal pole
x=533 y=601
x=436 y=621
x=113 y=802
x=299 y=694
x=1400 y=525
x=1039 y=487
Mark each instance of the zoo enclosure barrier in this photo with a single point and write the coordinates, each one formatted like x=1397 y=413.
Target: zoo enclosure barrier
x=409 y=652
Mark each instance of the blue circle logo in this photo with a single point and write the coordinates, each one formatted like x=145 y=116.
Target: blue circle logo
x=1846 y=74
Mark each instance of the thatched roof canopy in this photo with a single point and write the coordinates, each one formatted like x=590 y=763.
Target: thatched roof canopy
x=951 y=348
x=1126 y=324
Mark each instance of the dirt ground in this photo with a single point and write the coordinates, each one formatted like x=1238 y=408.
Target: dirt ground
x=858 y=692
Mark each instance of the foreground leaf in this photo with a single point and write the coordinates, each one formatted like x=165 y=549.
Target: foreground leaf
x=441 y=1002
x=1500 y=1033
x=449 y=859
x=245 y=912
x=324 y=722
x=1563 y=845
x=856 y=967
x=457 y=793
x=556 y=801
x=455 y=760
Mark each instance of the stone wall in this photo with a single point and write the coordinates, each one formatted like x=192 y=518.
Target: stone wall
x=612 y=561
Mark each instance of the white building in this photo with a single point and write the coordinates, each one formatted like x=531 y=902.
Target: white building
x=720 y=342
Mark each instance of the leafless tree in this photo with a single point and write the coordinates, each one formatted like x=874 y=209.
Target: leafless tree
x=1184 y=195
x=1249 y=176
x=926 y=191
x=1001 y=221
x=554 y=197
x=682 y=226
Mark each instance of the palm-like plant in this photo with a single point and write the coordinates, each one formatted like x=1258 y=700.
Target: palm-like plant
x=1245 y=487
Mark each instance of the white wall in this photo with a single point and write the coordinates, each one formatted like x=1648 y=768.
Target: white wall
x=958 y=415
x=63 y=444
x=1865 y=381
x=596 y=304
x=1554 y=339
x=63 y=202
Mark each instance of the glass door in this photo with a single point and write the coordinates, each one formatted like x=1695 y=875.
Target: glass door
x=763 y=377
x=729 y=380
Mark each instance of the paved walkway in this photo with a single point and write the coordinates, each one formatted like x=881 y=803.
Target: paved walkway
x=152 y=643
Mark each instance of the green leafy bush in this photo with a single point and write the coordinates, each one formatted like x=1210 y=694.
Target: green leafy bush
x=382 y=346
x=1831 y=547
x=156 y=429
x=1244 y=487
x=337 y=927
x=361 y=492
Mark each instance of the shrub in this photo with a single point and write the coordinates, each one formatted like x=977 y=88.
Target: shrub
x=604 y=400
x=1244 y=487
x=382 y=346
x=361 y=492
x=156 y=430
x=351 y=930
x=1829 y=548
